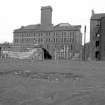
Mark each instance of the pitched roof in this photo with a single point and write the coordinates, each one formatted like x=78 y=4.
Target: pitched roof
x=28 y=27
x=98 y=16
x=39 y=27
x=34 y=26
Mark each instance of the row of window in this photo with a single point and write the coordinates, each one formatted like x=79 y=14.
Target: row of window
x=41 y=40
x=67 y=36
x=64 y=48
x=71 y=33
x=59 y=40
x=28 y=34
x=40 y=34
x=28 y=40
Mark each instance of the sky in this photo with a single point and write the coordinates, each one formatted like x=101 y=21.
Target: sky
x=17 y=13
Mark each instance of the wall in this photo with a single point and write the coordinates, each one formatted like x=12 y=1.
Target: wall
x=103 y=38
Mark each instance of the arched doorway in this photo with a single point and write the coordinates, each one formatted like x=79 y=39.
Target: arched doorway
x=47 y=55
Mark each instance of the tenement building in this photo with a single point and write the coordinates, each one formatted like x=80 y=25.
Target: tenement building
x=62 y=41
x=97 y=36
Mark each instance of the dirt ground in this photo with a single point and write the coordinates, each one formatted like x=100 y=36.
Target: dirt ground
x=88 y=89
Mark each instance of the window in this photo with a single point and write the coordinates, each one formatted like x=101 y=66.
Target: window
x=34 y=34
x=54 y=39
x=70 y=39
x=46 y=33
x=97 y=43
x=16 y=40
x=41 y=40
x=70 y=33
x=64 y=39
x=47 y=46
x=64 y=33
x=71 y=46
x=49 y=39
x=49 y=33
x=22 y=40
x=41 y=34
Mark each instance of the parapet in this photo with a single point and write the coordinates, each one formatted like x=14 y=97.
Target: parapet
x=46 y=7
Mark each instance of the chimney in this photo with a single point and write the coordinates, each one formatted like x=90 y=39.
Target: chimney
x=93 y=12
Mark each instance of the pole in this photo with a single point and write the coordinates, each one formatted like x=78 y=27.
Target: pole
x=0 y=52
x=84 y=42
x=55 y=55
x=64 y=51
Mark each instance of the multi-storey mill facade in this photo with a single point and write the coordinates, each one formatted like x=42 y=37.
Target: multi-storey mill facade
x=97 y=36
x=55 y=39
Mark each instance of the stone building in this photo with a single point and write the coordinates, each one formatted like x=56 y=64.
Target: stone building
x=61 y=38
x=97 y=36
x=5 y=46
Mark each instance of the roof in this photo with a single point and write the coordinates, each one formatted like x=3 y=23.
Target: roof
x=39 y=27
x=98 y=16
x=34 y=26
x=63 y=25
x=66 y=26
x=28 y=27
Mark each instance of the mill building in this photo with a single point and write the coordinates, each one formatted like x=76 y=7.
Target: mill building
x=61 y=41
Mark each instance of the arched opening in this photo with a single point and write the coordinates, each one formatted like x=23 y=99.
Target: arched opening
x=46 y=54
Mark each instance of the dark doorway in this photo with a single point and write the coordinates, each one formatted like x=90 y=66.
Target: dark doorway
x=97 y=55
x=46 y=54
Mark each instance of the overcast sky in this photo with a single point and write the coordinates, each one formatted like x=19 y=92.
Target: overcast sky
x=17 y=13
